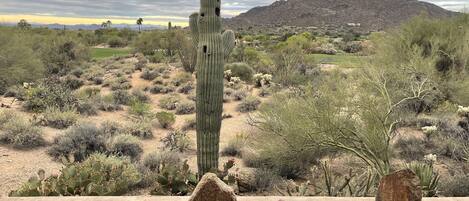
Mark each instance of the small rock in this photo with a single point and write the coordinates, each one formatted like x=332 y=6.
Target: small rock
x=403 y=185
x=211 y=188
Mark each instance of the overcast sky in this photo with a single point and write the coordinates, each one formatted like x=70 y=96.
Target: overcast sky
x=126 y=11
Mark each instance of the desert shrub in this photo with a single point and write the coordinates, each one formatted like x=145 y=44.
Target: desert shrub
x=111 y=128
x=88 y=107
x=116 y=41
x=140 y=128
x=78 y=143
x=352 y=47
x=185 y=107
x=19 y=132
x=99 y=175
x=181 y=78
x=265 y=179
x=108 y=104
x=73 y=82
x=155 y=160
x=176 y=140
x=249 y=104
x=157 y=57
x=235 y=146
x=60 y=119
x=161 y=89
x=125 y=145
x=457 y=186
x=120 y=83
x=150 y=75
x=49 y=93
x=186 y=88
x=240 y=95
x=16 y=91
x=241 y=70
x=140 y=95
x=189 y=124
x=77 y=72
x=122 y=97
x=169 y=102
x=166 y=119
x=411 y=149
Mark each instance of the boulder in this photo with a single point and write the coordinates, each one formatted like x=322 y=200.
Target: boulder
x=403 y=185
x=211 y=188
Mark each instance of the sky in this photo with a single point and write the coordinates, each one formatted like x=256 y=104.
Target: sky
x=157 y=12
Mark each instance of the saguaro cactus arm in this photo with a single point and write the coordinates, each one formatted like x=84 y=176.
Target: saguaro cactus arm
x=194 y=26
x=228 y=42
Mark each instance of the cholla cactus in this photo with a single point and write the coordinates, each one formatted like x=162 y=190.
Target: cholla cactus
x=228 y=74
x=430 y=130
x=463 y=111
x=262 y=79
x=235 y=80
x=430 y=158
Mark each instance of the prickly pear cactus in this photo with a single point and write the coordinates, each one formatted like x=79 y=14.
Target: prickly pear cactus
x=213 y=47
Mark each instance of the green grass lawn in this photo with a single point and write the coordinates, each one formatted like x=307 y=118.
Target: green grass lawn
x=341 y=60
x=100 y=53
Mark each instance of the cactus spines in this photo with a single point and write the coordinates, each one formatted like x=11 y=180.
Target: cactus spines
x=212 y=49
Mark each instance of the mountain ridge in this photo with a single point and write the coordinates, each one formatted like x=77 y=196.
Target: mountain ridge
x=368 y=15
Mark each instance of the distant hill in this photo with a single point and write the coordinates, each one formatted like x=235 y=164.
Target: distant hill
x=91 y=26
x=367 y=15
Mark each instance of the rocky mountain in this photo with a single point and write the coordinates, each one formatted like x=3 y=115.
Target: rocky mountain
x=365 y=15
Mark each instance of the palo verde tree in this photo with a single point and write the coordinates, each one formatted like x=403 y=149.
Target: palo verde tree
x=213 y=47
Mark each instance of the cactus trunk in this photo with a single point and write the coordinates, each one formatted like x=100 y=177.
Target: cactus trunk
x=212 y=49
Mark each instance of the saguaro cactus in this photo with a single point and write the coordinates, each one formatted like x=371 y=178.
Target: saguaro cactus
x=213 y=47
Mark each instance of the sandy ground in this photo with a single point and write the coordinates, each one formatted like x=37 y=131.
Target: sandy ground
x=19 y=165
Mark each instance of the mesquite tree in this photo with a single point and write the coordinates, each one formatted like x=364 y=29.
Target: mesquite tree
x=213 y=47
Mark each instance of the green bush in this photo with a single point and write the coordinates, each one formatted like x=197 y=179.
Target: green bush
x=99 y=175
x=241 y=70
x=116 y=42
x=157 y=57
x=186 y=88
x=88 y=107
x=161 y=89
x=176 y=141
x=249 y=104
x=111 y=128
x=166 y=119
x=17 y=92
x=176 y=180
x=19 y=132
x=169 y=102
x=185 y=107
x=60 y=119
x=73 y=82
x=125 y=145
x=78 y=143
x=140 y=109
x=19 y=61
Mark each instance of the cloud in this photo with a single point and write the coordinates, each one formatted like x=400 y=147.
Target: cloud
x=152 y=10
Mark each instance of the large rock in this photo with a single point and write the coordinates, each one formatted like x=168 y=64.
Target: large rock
x=403 y=185
x=211 y=188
